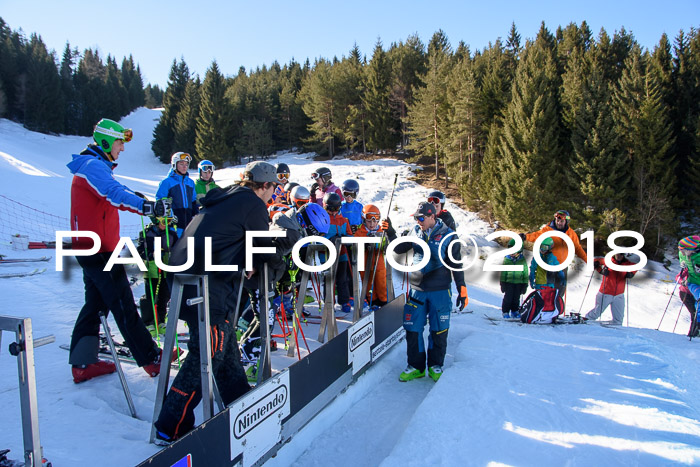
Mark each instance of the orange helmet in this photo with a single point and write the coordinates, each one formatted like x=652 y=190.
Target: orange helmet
x=370 y=211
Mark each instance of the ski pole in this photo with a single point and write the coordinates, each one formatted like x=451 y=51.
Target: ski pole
x=669 y=302
x=627 y=299
x=585 y=293
x=679 y=315
x=381 y=241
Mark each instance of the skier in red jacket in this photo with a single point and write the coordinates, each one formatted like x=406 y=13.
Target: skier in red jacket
x=612 y=289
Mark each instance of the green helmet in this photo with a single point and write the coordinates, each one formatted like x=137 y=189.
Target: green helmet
x=108 y=131
x=511 y=244
x=547 y=244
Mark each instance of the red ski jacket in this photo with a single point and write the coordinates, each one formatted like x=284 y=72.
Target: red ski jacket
x=614 y=282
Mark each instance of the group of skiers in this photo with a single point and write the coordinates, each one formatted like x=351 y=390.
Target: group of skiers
x=265 y=199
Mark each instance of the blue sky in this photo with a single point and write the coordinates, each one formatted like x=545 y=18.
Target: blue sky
x=251 y=33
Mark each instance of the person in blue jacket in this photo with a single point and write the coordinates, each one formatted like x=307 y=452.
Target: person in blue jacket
x=430 y=294
x=351 y=209
x=179 y=187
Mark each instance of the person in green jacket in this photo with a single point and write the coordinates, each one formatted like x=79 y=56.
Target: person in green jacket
x=513 y=283
x=689 y=257
x=154 y=304
x=205 y=182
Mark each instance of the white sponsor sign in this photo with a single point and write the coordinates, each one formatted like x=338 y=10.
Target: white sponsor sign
x=256 y=419
x=360 y=341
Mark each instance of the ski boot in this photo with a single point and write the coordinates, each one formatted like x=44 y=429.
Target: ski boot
x=411 y=373
x=435 y=372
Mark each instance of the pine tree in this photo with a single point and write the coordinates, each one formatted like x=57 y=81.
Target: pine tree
x=530 y=148
x=408 y=64
x=646 y=135
x=214 y=139
x=90 y=85
x=44 y=108
x=428 y=116
x=600 y=170
x=163 y=143
x=185 y=125
x=380 y=123
x=318 y=102
x=464 y=126
x=153 y=96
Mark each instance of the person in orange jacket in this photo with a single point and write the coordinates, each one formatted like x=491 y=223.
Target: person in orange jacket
x=612 y=289
x=560 y=223
x=372 y=227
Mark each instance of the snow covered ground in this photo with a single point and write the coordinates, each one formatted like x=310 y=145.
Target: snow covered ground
x=510 y=395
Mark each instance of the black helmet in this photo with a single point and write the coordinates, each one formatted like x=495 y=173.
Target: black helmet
x=288 y=187
x=332 y=201
x=350 y=186
x=437 y=194
x=322 y=172
x=282 y=168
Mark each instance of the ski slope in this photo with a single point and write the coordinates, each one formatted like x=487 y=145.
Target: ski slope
x=510 y=394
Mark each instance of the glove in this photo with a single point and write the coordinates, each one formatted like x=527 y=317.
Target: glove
x=522 y=237
x=160 y=208
x=682 y=277
x=462 y=300
x=353 y=228
x=405 y=232
x=604 y=271
x=629 y=275
x=313 y=189
x=503 y=287
x=388 y=228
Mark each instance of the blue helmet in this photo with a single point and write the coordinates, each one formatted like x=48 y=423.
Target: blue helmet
x=313 y=219
x=351 y=186
x=206 y=166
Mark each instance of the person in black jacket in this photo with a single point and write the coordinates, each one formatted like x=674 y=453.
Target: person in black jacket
x=430 y=295
x=437 y=199
x=226 y=217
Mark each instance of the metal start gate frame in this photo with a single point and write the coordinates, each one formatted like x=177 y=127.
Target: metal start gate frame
x=23 y=349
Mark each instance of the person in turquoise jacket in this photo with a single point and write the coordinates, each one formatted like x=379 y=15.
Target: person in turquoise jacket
x=540 y=278
x=513 y=283
x=179 y=187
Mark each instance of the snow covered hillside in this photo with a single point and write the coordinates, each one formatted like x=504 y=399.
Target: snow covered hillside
x=510 y=395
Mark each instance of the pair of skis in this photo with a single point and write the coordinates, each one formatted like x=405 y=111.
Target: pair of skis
x=34 y=272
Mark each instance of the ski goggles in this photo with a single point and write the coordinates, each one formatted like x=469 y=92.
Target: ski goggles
x=562 y=215
x=349 y=194
x=183 y=157
x=283 y=177
x=207 y=168
x=299 y=203
x=434 y=200
x=333 y=208
x=372 y=217
x=125 y=135
x=317 y=175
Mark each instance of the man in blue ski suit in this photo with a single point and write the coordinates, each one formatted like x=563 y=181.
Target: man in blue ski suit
x=430 y=295
x=180 y=188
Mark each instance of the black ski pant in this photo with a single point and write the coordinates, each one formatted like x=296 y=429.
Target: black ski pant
x=158 y=288
x=511 y=297
x=108 y=291
x=689 y=302
x=561 y=286
x=177 y=415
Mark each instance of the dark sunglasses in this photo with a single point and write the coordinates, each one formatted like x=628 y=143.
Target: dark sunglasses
x=419 y=218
